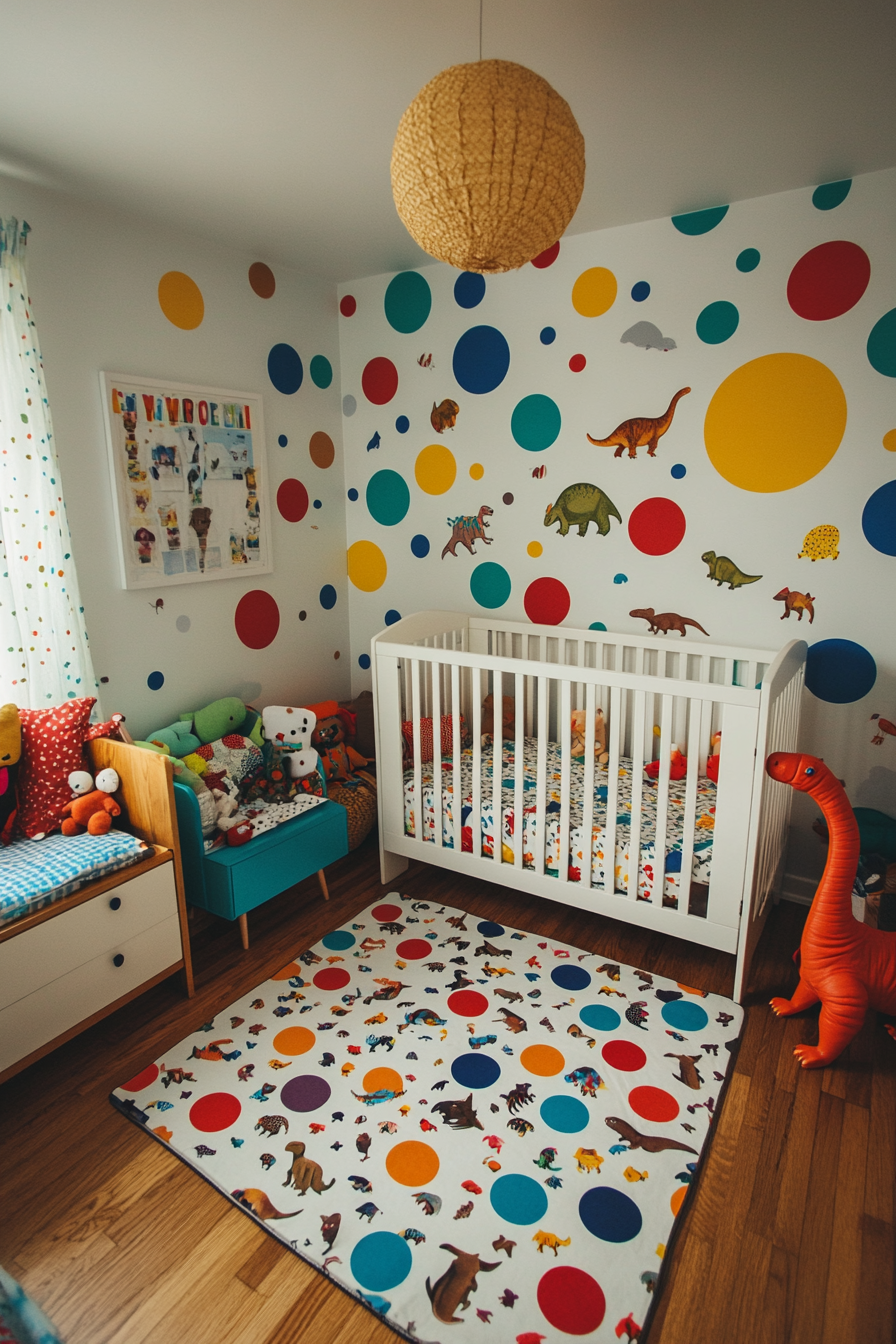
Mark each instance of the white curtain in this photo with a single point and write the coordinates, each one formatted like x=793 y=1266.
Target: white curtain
x=44 y=655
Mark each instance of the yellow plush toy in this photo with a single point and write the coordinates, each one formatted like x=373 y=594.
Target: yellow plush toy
x=601 y=755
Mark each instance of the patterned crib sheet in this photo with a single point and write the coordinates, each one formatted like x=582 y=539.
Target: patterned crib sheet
x=35 y=873
x=704 y=818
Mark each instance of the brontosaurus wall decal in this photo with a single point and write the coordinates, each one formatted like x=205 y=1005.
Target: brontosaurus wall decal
x=641 y=432
x=849 y=967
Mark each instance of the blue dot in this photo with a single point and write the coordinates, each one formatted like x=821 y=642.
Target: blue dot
x=567 y=1115
x=392 y=616
x=518 y=1199
x=283 y=440
x=339 y=940
x=364 y=661
x=420 y=546
x=747 y=260
x=328 y=597
x=481 y=360
x=535 y=422
x=600 y=1017
x=381 y=1260
x=475 y=1070
x=318 y=504
x=469 y=289
x=699 y=221
x=879 y=519
x=640 y=291
x=678 y=471
x=155 y=681
x=839 y=671
x=321 y=371
x=353 y=494
x=717 y=322
x=402 y=424
x=831 y=194
x=489 y=929
x=285 y=368
x=490 y=584
x=620 y=578
x=408 y=301
x=388 y=498
x=597 y=625
x=349 y=404
x=547 y=336
x=685 y=1016
x=571 y=977
x=609 y=1214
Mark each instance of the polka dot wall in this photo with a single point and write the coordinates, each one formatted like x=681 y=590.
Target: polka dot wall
x=589 y=435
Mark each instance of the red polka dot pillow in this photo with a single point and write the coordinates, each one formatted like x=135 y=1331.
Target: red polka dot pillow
x=52 y=747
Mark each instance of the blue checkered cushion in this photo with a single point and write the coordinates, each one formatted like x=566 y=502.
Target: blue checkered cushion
x=34 y=873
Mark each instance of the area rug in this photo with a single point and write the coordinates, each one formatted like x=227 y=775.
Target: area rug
x=469 y=1123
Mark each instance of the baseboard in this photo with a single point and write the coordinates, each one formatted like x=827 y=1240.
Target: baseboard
x=796 y=888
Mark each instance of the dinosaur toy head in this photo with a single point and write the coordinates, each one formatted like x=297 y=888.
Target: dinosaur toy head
x=800 y=771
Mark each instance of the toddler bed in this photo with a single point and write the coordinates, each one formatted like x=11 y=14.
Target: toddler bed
x=691 y=857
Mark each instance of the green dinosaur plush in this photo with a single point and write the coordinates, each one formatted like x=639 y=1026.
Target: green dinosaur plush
x=177 y=738
x=228 y=715
x=182 y=773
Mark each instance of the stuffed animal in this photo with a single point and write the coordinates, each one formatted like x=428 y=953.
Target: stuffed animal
x=678 y=767
x=337 y=759
x=228 y=715
x=508 y=729
x=712 y=761
x=93 y=810
x=600 y=736
x=225 y=809
x=292 y=731
x=177 y=737
x=10 y=751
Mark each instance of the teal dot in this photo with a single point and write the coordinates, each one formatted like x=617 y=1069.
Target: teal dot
x=831 y=194
x=567 y=1115
x=699 y=221
x=518 y=1199
x=490 y=584
x=388 y=498
x=882 y=345
x=321 y=371
x=747 y=260
x=338 y=940
x=597 y=625
x=600 y=1017
x=717 y=322
x=381 y=1261
x=535 y=423
x=685 y=1016
x=408 y=301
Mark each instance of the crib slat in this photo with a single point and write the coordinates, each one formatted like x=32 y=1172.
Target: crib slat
x=436 y=712
x=588 y=790
x=609 y=836
x=634 y=850
x=478 y=677
x=695 y=749
x=662 y=801
x=518 y=768
x=416 y=667
x=541 y=774
x=457 y=795
x=563 y=736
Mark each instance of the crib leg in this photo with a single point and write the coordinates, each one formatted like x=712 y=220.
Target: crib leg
x=243 y=922
x=323 y=883
x=391 y=866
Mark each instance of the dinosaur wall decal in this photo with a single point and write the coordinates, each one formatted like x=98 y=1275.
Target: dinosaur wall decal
x=640 y=432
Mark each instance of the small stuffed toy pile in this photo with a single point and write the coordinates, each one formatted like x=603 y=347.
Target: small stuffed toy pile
x=601 y=755
x=348 y=781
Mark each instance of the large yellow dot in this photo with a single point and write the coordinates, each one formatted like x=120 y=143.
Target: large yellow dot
x=435 y=469
x=889 y=440
x=294 y=1041
x=180 y=299
x=382 y=1079
x=477 y=471
x=594 y=292
x=412 y=1163
x=366 y=566
x=534 y=549
x=775 y=422
x=542 y=1060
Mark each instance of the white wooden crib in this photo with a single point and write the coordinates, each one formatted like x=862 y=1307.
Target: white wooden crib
x=656 y=692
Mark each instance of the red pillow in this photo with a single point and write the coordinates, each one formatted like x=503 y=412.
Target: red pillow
x=447 y=736
x=52 y=747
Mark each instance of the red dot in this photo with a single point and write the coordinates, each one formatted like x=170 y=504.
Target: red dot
x=828 y=280
x=145 y=1078
x=219 y=1110
x=624 y=1055
x=379 y=380
x=385 y=914
x=292 y=500
x=347 y=305
x=547 y=257
x=257 y=619
x=546 y=601
x=468 y=1003
x=571 y=1300
x=652 y=1103
x=657 y=526
x=414 y=949
x=577 y=363
x=334 y=977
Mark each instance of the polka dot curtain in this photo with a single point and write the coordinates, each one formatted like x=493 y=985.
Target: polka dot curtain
x=44 y=655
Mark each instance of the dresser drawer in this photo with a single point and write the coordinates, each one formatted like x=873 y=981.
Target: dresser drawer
x=47 y=1012
x=47 y=952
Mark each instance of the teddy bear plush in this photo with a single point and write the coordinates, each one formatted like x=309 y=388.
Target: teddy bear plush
x=601 y=754
x=91 y=809
x=337 y=759
x=508 y=720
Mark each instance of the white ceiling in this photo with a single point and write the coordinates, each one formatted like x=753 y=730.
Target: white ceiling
x=268 y=124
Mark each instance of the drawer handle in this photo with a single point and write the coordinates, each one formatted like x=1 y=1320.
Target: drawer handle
x=115 y=903
x=118 y=959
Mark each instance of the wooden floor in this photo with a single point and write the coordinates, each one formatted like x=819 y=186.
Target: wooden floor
x=789 y=1236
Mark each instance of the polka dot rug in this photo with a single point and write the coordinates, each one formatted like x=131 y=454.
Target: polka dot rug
x=466 y=1122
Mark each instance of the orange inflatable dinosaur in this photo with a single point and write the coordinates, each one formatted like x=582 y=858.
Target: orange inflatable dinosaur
x=848 y=966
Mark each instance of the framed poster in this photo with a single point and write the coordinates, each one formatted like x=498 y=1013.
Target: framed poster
x=189 y=477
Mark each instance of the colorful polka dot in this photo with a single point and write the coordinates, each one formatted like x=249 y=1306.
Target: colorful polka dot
x=294 y=1040
x=640 y=291
x=321 y=449
x=624 y=1055
x=348 y=305
x=547 y=335
x=332 y=977
x=831 y=194
x=620 y=578
x=600 y=1017
x=349 y=404
x=507 y=498
x=571 y=1300
x=543 y=1060
x=145 y=1078
x=261 y=280
x=392 y=617
x=435 y=469
x=412 y=1163
x=282 y=440
x=468 y=1003
x=881 y=348
x=306 y=1093
x=747 y=260
x=367 y=567
x=475 y=1070
x=469 y=289
x=352 y=494
x=889 y=441
x=364 y=662
x=383 y=1079
x=879 y=519
x=386 y=914
x=839 y=671
x=775 y=422
x=518 y=1199
x=657 y=526
x=481 y=360
x=535 y=549
x=489 y=929
x=609 y=1214
x=408 y=302
x=685 y=1016
x=717 y=322
x=402 y=424
x=597 y=625
x=388 y=498
x=292 y=500
x=547 y=257
x=577 y=363
x=285 y=368
x=381 y=1261
x=214 y=1112
x=321 y=371
x=828 y=280
x=571 y=977
x=180 y=299
x=698 y=222
x=567 y=1115
x=420 y=546
x=155 y=681
x=379 y=381
x=678 y=1198
x=678 y=471
x=338 y=940
x=535 y=422
x=291 y=970
x=477 y=471
x=547 y=601
x=327 y=597
x=594 y=292
x=654 y=1104
x=414 y=949
x=257 y=619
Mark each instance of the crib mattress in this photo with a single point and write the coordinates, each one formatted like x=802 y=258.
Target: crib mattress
x=577 y=863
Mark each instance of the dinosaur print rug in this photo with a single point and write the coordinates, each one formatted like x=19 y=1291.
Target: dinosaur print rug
x=456 y=1121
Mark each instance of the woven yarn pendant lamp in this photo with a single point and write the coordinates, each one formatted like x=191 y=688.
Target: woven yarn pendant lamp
x=488 y=166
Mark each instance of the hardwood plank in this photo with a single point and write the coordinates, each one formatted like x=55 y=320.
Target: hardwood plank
x=818 y=1224
x=797 y=1166
x=772 y=1157
x=880 y=1182
x=844 y=1272
x=690 y=1271
x=773 y=1323
x=876 y=1310
x=709 y=1211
